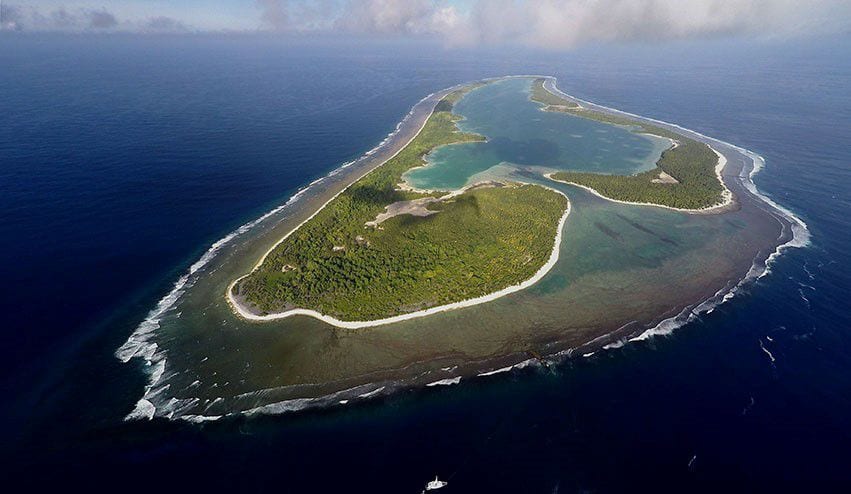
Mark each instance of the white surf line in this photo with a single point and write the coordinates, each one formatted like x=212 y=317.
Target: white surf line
x=800 y=232
x=496 y=371
x=370 y=393
x=542 y=271
x=726 y=194
x=138 y=344
x=445 y=382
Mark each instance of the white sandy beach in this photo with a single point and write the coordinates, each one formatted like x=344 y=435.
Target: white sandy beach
x=716 y=208
x=542 y=271
x=726 y=194
x=246 y=314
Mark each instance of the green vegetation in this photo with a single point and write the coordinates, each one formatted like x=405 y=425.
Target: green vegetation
x=691 y=163
x=478 y=242
x=541 y=95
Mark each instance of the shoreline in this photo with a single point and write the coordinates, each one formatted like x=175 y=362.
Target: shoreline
x=139 y=343
x=542 y=271
x=239 y=309
x=727 y=196
x=795 y=234
x=719 y=208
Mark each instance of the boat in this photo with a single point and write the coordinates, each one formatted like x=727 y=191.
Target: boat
x=435 y=484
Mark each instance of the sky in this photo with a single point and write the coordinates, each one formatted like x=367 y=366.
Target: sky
x=554 y=24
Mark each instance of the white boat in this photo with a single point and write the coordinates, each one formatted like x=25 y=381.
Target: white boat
x=435 y=484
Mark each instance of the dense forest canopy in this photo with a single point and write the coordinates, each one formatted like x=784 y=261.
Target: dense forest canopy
x=691 y=163
x=477 y=242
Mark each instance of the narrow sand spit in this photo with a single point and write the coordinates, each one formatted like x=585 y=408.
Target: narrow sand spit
x=236 y=305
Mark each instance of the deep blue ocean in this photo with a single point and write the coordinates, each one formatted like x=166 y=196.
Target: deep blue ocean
x=123 y=158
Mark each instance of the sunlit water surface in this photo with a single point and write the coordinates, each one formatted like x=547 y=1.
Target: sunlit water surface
x=124 y=159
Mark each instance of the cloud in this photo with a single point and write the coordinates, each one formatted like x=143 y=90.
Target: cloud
x=163 y=24
x=62 y=19
x=554 y=24
x=101 y=19
x=275 y=14
x=568 y=23
x=395 y=17
x=10 y=18
x=297 y=16
x=82 y=20
x=564 y=24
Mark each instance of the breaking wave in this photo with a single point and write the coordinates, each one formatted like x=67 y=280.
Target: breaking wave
x=799 y=234
x=140 y=344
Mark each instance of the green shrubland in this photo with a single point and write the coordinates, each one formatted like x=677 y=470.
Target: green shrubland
x=691 y=163
x=478 y=242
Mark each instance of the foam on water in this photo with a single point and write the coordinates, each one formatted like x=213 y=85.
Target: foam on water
x=496 y=371
x=371 y=393
x=140 y=345
x=445 y=382
x=200 y=419
x=800 y=235
x=144 y=410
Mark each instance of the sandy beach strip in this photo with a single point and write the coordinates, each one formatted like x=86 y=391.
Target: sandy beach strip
x=542 y=271
x=726 y=201
x=234 y=304
x=239 y=309
x=726 y=195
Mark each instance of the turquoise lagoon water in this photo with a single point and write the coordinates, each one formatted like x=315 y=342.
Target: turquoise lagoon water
x=117 y=179
x=651 y=261
x=520 y=134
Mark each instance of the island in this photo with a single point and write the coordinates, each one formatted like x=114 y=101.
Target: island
x=687 y=175
x=382 y=249
x=502 y=225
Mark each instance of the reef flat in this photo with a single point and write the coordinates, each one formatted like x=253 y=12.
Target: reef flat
x=345 y=265
x=623 y=270
x=687 y=175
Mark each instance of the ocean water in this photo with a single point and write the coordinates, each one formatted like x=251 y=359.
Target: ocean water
x=622 y=267
x=520 y=134
x=123 y=159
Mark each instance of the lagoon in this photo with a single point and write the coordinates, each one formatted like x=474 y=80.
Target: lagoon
x=520 y=134
x=622 y=270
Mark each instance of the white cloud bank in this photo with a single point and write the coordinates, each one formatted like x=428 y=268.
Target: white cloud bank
x=567 y=23
x=25 y=17
x=557 y=24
